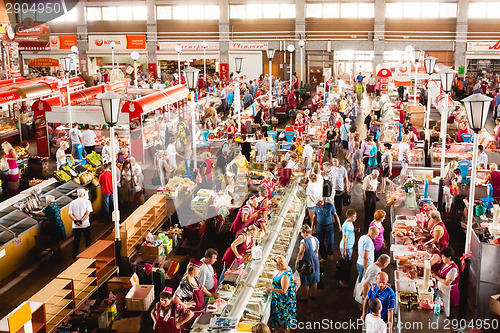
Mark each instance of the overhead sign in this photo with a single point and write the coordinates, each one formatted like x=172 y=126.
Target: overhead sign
x=63 y=42
x=402 y=74
x=188 y=46
x=122 y=42
x=485 y=47
x=44 y=62
x=30 y=34
x=250 y=46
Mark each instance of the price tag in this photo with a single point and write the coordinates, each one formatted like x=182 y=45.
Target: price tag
x=18 y=241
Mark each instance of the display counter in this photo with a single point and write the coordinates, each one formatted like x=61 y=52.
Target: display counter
x=19 y=229
x=246 y=297
x=414 y=320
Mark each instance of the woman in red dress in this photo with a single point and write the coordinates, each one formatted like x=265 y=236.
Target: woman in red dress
x=169 y=317
x=240 y=245
x=246 y=212
x=299 y=124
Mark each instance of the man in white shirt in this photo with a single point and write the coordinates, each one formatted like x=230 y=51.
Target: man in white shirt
x=339 y=184
x=308 y=154
x=88 y=139
x=373 y=321
x=260 y=149
x=158 y=85
x=482 y=157
x=79 y=212
x=76 y=138
x=207 y=276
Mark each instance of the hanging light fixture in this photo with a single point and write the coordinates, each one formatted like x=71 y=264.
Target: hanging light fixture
x=191 y=75
x=66 y=63
x=430 y=62
x=291 y=48
x=447 y=75
x=477 y=106
x=110 y=102
x=238 y=64
x=270 y=54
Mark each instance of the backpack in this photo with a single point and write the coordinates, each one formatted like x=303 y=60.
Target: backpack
x=327 y=188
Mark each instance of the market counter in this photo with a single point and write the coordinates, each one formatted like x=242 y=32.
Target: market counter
x=18 y=231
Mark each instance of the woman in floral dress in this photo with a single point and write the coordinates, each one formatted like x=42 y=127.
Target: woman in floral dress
x=284 y=298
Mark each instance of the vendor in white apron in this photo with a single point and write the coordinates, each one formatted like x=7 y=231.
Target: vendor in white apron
x=448 y=278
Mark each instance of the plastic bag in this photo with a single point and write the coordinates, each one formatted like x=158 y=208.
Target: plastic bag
x=296 y=280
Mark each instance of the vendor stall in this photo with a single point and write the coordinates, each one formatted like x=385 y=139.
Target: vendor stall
x=243 y=293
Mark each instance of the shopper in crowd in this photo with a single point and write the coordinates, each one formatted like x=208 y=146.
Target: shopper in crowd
x=138 y=184
x=368 y=152
x=75 y=136
x=386 y=164
x=169 y=317
x=404 y=154
x=88 y=140
x=207 y=276
x=61 y=154
x=106 y=151
x=339 y=184
x=79 y=212
x=284 y=174
x=347 y=243
x=356 y=172
x=324 y=215
x=366 y=251
x=55 y=227
x=126 y=183
x=190 y=293
x=308 y=154
x=123 y=155
x=172 y=155
x=448 y=278
x=106 y=182
x=11 y=158
x=482 y=157
x=373 y=320
x=241 y=244
x=246 y=147
x=386 y=295
x=437 y=230
x=308 y=252
x=283 y=296
x=314 y=194
x=379 y=242
x=331 y=143
x=370 y=184
x=450 y=180
x=370 y=276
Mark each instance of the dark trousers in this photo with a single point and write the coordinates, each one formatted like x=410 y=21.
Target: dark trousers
x=108 y=203
x=339 y=202
x=89 y=150
x=326 y=241
x=77 y=235
x=369 y=207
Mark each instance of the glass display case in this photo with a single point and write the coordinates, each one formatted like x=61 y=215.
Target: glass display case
x=454 y=151
x=416 y=157
x=7 y=124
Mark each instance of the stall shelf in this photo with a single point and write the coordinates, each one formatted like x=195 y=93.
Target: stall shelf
x=83 y=274
x=29 y=316
x=103 y=252
x=145 y=219
x=57 y=296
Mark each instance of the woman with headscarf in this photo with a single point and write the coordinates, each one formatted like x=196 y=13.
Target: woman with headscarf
x=55 y=227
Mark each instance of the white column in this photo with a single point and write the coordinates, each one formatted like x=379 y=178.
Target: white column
x=112 y=58
x=444 y=113
x=135 y=74
x=116 y=212
x=179 y=65
x=472 y=193
x=70 y=109
x=415 y=95
x=193 y=129
x=204 y=63
x=428 y=114
x=291 y=72
x=270 y=87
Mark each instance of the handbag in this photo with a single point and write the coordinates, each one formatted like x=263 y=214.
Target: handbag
x=156 y=179
x=327 y=145
x=343 y=270
x=346 y=200
x=304 y=267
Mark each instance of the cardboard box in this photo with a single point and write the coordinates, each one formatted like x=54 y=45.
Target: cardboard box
x=151 y=251
x=128 y=325
x=140 y=297
x=495 y=304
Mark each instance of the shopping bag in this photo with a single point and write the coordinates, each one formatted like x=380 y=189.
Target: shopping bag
x=343 y=270
x=346 y=199
x=296 y=280
x=156 y=179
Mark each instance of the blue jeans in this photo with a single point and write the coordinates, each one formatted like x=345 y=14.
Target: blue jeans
x=108 y=203
x=361 y=270
x=324 y=233
x=348 y=253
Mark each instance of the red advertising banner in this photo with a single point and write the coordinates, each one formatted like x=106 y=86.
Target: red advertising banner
x=152 y=68
x=12 y=49
x=64 y=96
x=136 y=42
x=43 y=62
x=224 y=71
